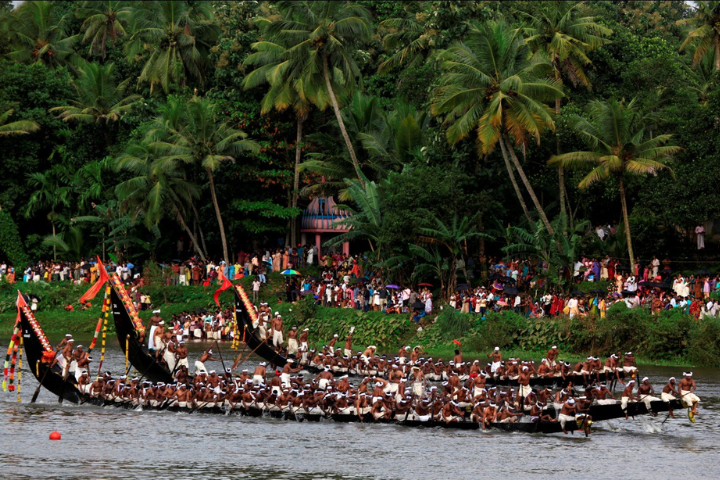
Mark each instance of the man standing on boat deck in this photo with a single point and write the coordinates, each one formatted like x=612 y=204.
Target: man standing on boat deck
x=687 y=392
x=304 y=339
x=348 y=345
x=292 y=341
x=567 y=413
x=627 y=396
x=67 y=356
x=206 y=356
x=629 y=365
x=551 y=356
x=155 y=322
x=181 y=353
x=259 y=374
x=287 y=370
x=277 y=327
x=496 y=358
x=668 y=394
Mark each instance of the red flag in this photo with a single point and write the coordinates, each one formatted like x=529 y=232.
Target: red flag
x=90 y=294
x=225 y=285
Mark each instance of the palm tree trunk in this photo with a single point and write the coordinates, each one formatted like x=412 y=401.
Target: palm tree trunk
x=202 y=235
x=627 y=224
x=514 y=182
x=529 y=188
x=561 y=172
x=336 y=109
x=219 y=217
x=296 y=181
x=717 y=52
x=190 y=233
x=54 y=247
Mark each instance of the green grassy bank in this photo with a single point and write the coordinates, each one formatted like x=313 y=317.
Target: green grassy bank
x=671 y=338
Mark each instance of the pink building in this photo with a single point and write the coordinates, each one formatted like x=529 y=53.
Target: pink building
x=321 y=217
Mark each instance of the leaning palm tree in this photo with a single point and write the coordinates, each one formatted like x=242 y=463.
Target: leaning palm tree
x=99 y=98
x=493 y=87
x=409 y=39
x=321 y=38
x=705 y=37
x=174 y=40
x=619 y=146
x=38 y=36
x=20 y=127
x=104 y=21
x=200 y=137
x=559 y=31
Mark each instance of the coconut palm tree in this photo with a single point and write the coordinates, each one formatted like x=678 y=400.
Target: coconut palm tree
x=104 y=21
x=157 y=188
x=21 y=127
x=49 y=192
x=287 y=88
x=174 y=40
x=493 y=86
x=199 y=136
x=558 y=30
x=321 y=38
x=705 y=36
x=99 y=98
x=38 y=36
x=409 y=40
x=619 y=146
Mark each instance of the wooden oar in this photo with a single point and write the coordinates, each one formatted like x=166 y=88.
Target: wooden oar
x=37 y=390
x=249 y=355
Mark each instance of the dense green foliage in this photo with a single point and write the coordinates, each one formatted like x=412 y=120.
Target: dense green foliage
x=145 y=122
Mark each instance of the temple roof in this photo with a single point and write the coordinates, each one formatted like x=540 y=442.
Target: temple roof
x=321 y=216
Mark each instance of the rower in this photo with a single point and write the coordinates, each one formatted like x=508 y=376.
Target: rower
x=629 y=365
x=567 y=413
x=524 y=384
x=259 y=374
x=324 y=378
x=645 y=392
x=668 y=394
x=83 y=382
x=496 y=358
x=458 y=359
x=489 y=415
x=205 y=357
x=304 y=339
x=611 y=367
x=368 y=354
x=628 y=397
x=687 y=392
x=603 y=395
x=82 y=361
x=537 y=415
x=287 y=370
x=418 y=382
x=451 y=412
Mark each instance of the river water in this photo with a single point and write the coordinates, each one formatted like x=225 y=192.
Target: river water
x=113 y=443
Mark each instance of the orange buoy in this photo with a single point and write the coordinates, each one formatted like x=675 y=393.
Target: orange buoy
x=55 y=435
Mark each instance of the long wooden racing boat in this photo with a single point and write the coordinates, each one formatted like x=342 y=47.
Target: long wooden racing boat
x=132 y=336
x=245 y=316
x=41 y=356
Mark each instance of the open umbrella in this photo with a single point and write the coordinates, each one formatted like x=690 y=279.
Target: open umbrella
x=493 y=276
x=507 y=279
x=200 y=310
x=315 y=279
x=289 y=272
x=418 y=305
x=425 y=285
x=578 y=292
x=621 y=268
x=597 y=291
x=394 y=287
x=511 y=290
x=704 y=271
x=33 y=295
x=463 y=286
x=177 y=260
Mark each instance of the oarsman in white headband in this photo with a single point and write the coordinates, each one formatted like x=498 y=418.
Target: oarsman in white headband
x=627 y=396
x=496 y=358
x=669 y=391
x=687 y=392
x=629 y=365
x=645 y=394
x=155 y=322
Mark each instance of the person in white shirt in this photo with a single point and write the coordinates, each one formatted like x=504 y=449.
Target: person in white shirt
x=631 y=284
x=256 y=289
x=572 y=305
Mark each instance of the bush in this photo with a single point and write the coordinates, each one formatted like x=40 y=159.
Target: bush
x=453 y=324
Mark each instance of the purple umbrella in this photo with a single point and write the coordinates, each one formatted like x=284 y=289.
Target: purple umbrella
x=393 y=287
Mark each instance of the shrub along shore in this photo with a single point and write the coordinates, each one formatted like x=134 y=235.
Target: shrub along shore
x=671 y=338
